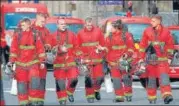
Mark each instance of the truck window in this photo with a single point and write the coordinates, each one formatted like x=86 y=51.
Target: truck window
x=73 y=27
x=12 y=19
x=137 y=30
x=175 y=34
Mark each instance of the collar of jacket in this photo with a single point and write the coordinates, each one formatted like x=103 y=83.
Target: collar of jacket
x=117 y=33
x=62 y=32
x=86 y=30
x=159 y=28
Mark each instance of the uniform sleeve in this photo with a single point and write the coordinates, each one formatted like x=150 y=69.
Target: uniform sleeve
x=78 y=49
x=143 y=45
x=130 y=45
x=169 y=44
x=47 y=37
x=14 y=49
x=101 y=38
x=40 y=49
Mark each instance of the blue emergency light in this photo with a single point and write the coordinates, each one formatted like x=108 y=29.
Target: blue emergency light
x=124 y=13
x=63 y=15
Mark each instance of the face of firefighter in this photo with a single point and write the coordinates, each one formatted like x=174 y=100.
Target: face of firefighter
x=25 y=26
x=41 y=20
x=89 y=25
x=62 y=25
x=155 y=22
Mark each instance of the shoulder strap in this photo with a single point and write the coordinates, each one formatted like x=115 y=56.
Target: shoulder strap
x=34 y=32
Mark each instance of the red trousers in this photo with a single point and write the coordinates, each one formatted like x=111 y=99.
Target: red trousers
x=122 y=83
x=43 y=73
x=94 y=80
x=159 y=71
x=63 y=76
x=28 y=83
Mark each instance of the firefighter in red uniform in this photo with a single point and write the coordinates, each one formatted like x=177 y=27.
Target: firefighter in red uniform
x=28 y=55
x=90 y=41
x=120 y=46
x=39 y=25
x=1 y=83
x=63 y=43
x=156 y=47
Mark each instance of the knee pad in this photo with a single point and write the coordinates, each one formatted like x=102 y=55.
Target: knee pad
x=127 y=80
x=164 y=79
x=42 y=84
x=152 y=83
x=73 y=83
x=117 y=83
x=35 y=83
x=88 y=82
x=60 y=85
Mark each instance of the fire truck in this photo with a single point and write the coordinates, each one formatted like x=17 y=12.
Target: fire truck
x=12 y=13
x=136 y=25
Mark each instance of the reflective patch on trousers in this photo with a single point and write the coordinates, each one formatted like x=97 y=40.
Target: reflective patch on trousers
x=22 y=87
x=152 y=83
x=99 y=80
x=35 y=83
x=73 y=83
x=60 y=85
x=164 y=79
x=127 y=80
x=117 y=83
x=88 y=82
x=42 y=84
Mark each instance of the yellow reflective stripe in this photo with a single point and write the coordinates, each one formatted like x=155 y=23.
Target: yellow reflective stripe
x=69 y=45
x=97 y=60
x=62 y=99
x=157 y=43
x=35 y=99
x=116 y=47
x=63 y=65
x=13 y=55
x=26 y=47
x=141 y=50
x=130 y=50
x=41 y=54
x=152 y=97
x=69 y=93
x=27 y=64
x=166 y=93
x=119 y=97
x=162 y=58
x=90 y=44
x=79 y=53
x=90 y=96
x=170 y=50
x=128 y=94
x=24 y=102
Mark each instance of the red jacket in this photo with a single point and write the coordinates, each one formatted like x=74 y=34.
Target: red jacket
x=44 y=32
x=70 y=43
x=164 y=37
x=117 y=46
x=3 y=41
x=87 y=42
x=26 y=51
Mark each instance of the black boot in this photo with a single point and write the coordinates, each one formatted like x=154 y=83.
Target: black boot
x=97 y=96
x=153 y=101
x=90 y=100
x=128 y=98
x=119 y=100
x=33 y=104
x=71 y=98
x=168 y=99
x=63 y=102
x=40 y=103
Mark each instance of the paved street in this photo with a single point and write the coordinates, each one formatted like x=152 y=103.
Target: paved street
x=139 y=97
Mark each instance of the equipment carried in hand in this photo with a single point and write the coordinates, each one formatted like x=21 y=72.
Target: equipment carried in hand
x=83 y=68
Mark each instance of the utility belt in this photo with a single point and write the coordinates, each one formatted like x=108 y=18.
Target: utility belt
x=153 y=59
x=122 y=65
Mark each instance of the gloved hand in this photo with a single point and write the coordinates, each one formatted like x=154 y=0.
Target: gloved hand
x=47 y=47
x=42 y=65
x=63 y=48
